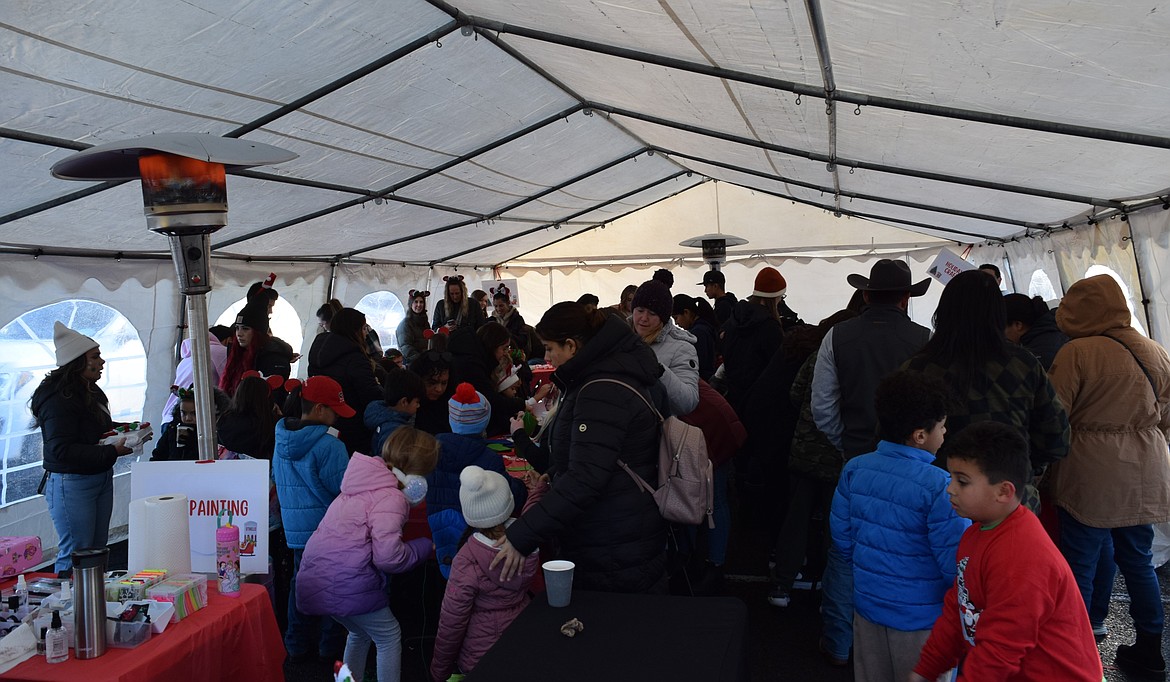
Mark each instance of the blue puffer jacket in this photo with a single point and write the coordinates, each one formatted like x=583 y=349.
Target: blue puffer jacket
x=308 y=465
x=382 y=420
x=444 y=514
x=893 y=521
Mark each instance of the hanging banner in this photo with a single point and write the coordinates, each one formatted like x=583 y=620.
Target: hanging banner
x=948 y=264
x=508 y=286
x=239 y=487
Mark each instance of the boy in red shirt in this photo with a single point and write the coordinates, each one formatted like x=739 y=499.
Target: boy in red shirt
x=1013 y=612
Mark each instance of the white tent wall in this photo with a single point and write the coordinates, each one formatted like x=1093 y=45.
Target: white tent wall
x=144 y=292
x=1151 y=234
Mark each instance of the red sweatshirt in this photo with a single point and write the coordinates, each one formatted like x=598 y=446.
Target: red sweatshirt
x=1014 y=613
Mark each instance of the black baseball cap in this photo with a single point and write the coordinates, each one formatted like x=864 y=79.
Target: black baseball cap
x=713 y=277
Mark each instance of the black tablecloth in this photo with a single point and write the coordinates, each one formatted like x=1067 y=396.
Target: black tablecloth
x=627 y=637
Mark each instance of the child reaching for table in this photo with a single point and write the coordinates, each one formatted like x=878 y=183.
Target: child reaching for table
x=343 y=570
x=477 y=605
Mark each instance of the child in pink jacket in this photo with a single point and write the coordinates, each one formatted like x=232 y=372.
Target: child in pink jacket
x=360 y=540
x=477 y=605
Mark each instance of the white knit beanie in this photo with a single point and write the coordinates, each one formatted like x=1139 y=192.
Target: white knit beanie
x=485 y=497
x=69 y=344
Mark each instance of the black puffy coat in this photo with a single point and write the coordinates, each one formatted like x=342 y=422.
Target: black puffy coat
x=71 y=430
x=750 y=338
x=608 y=526
x=1044 y=338
x=342 y=360
x=472 y=363
x=411 y=341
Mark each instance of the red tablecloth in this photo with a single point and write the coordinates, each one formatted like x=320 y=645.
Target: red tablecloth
x=229 y=639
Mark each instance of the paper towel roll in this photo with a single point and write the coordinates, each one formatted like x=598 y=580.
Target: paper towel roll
x=160 y=535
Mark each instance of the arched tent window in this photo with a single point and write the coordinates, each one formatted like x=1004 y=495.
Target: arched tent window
x=383 y=313
x=285 y=324
x=1041 y=286
x=1095 y=270
x=27 y=355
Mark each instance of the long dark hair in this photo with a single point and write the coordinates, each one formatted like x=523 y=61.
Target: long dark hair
x=350 y=323
x=968 y=327
x=706 y=312
x=253 y=401
x=240 y=359
x=67 y=381
x=569 y=320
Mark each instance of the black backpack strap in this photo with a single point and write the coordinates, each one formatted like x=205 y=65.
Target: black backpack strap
x=1145 y=371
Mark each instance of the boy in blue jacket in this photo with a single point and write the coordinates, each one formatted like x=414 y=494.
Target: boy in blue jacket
x=403 y=393
x=308 y=463
x=469 y=413
x=893 y=522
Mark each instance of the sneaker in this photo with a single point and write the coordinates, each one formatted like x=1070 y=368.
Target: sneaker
x=1143 y=658
x=778 y=597
x=803 y=583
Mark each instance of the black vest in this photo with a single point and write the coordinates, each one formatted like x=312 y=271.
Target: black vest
x=866 y=349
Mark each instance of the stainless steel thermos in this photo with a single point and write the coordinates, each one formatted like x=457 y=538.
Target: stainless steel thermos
x=89 y=601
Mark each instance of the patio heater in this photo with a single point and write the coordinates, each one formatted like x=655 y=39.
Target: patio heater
x=184 y=190
x=714 y=247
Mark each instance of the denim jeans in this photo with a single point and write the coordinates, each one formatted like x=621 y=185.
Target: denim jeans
x=381 y=628
x=837 y=604
x=298 y=636
x=807 y=496
x=1082 y=546
x=1103 y=584
x=80 y=506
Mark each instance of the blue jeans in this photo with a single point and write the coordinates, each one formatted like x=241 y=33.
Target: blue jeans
x=1103 y=584
x=1082 y=546
x=80 y=506
x=381 y=628
x=721 y=515
x=837 y=604
x=298 y=636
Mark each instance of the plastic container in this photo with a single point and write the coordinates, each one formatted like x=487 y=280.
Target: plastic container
x=127 y=635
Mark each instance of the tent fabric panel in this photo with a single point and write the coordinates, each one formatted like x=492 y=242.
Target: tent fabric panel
x=1151 y=232
x=506 y=251
x=440 y=246
x=347 y=230
x=596 y=193
x=526 y=166
x=216 y=45
x=681 y=96
x=771 y=35
x=614 y=210
x=110 y=220
x=1010 y=155
x=1026 y=59
x=26 y=175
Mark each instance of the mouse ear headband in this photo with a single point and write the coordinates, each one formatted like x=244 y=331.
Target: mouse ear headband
x=415 y=293
x=453 y=278
x=274 y=382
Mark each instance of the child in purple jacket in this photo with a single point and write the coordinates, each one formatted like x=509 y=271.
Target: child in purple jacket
x=360 y=540
x=477 y=605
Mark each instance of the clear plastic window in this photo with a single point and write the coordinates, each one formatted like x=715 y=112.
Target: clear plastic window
x=384 y=312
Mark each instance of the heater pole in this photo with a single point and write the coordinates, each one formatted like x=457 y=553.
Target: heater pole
x=204 y=391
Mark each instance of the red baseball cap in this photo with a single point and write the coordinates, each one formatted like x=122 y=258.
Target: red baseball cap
x=325 y=391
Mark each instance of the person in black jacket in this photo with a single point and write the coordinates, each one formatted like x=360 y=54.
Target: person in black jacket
x=340 y=354
x=254 y=347
x=248 y=425
x=180 y=442
x=688 y=316
x=73 y=415
x=411 y=331
x=479 y=358
x=456 y=309
x=752 y=336
x=1032 y=325
x=604 y=522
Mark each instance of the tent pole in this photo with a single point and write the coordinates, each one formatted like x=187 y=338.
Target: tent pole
x=1137 y=264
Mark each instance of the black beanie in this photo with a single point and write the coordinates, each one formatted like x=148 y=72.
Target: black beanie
x=663 y=275
x=655 y=297
x=254 y=316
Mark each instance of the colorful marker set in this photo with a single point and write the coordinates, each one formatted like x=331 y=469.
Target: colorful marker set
x=187 y=591
x=135 y=586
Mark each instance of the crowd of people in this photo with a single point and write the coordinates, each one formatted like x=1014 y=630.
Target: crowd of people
x=963 y=495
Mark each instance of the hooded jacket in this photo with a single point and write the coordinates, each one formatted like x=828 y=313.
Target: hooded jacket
x=185 y=372
x=357 y=542
x=1117 y=472
x=675 y=349
x=1044 y=339
x=750 y=338
x=308 y=465
x=477 y=605
x=608 y=526
x=344 y=361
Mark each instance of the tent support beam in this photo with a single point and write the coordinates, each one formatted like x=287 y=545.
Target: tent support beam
x=853 y=163
x=805 y=90
x=511 y=207
x=578 y=214
x=821 y=40
x=405 y=183
x=852 y=195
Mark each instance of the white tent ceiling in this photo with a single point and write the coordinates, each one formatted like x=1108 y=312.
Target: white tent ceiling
x=479 y=131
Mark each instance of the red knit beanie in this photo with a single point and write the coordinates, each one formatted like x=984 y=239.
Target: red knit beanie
x=770 y=284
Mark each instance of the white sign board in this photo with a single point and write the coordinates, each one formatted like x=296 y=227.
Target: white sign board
x=236 y=486
x=948 y=264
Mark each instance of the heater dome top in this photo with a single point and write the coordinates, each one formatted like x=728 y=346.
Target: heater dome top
x=728 y=240
x=119 y=160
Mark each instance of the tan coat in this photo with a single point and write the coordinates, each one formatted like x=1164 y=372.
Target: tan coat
x=1118 y=468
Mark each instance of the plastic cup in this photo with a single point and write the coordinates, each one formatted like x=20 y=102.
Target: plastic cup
x=558 y=581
